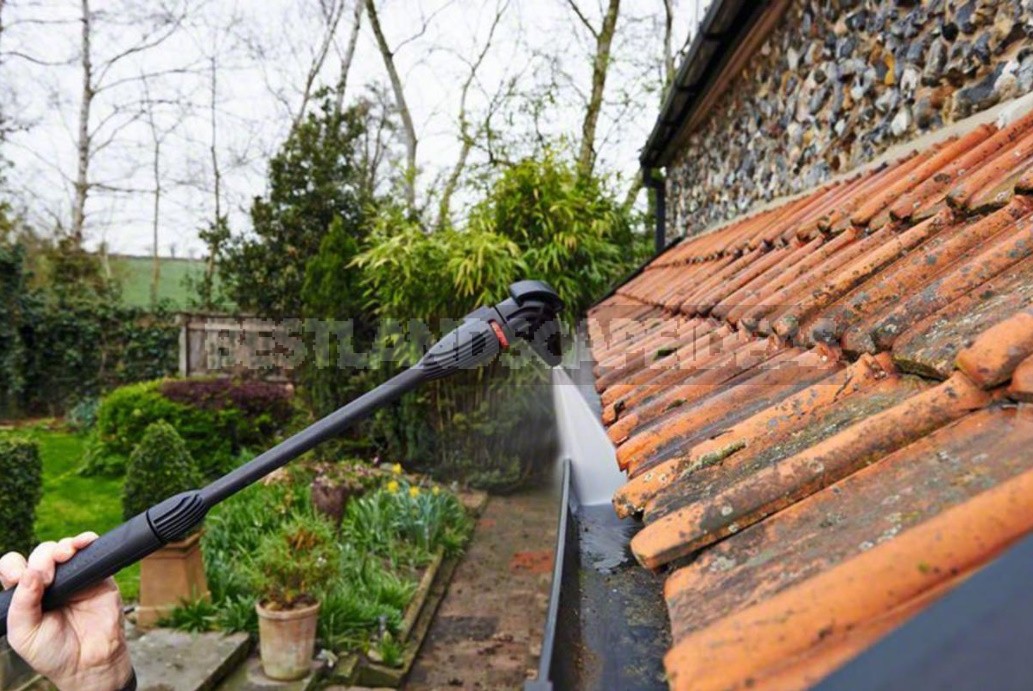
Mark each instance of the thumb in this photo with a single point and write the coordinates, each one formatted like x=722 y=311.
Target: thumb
x=26 y=610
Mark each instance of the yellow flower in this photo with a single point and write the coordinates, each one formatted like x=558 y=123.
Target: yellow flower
x=414 y=491
x=436 y=491
x=396 y=469
x=392 y=487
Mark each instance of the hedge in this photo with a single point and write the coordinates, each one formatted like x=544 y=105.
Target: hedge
x=61 y=344
x=217 y=419
x=21 y=486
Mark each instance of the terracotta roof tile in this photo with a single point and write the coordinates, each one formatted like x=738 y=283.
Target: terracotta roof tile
x=1010 y=162
x=800 y=289
x=931 y=346
x=1004 y=250
x=996 y=352
x=787 y=257
x=798 y=264
x=858 y=271
x=784 y=373
x=973 y=162
x=998 y=191
x=783 y=408
x=929 y=167
x=872 y=506
x=641 y=345
x=906 y=276
x=1021 y=388
x=705 y=301
x=705 y=340
x=839 y=219
x=704 y=483
x=807 y=404
x=793 y=623
x=653 y=400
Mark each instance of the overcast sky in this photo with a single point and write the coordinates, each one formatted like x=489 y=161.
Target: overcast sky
x=264 y=51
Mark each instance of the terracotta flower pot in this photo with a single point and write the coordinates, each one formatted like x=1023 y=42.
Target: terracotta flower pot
x=287 y=641
x=331 y=494
x=168 y=577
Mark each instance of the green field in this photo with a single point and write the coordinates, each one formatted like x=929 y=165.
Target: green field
x=72 y=503
x=135 y=273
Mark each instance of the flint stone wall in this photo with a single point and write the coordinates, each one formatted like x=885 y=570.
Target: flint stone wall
x=836 y=84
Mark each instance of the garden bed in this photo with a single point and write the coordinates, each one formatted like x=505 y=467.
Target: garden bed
x=400 y=542
x=361 y=671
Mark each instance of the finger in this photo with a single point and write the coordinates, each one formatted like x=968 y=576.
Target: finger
x=42 y=560
x=83 y=539
x=64 y=550
x=26 y=611
x=12 y=565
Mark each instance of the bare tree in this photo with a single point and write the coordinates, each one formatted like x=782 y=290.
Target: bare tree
x=97 y=78
x=668 y=39
x=331 y=11
x=408 y=128
x=83 y=143
x=348 y=55
x=603 y=37
x=468 y=135
x=163 y=116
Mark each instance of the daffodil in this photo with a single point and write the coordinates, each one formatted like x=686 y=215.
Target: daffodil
x=392 y=486
x=414 y=491
x=396 y=469
x=435 y=491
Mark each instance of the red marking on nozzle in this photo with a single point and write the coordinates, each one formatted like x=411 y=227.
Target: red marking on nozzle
x=500 y=334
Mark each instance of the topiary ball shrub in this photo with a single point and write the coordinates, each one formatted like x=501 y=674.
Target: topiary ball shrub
x=159 y=467
x=21 y=486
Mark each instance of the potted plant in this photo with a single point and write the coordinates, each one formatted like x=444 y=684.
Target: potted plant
x=159 y=467
x=292 y=568
x=335 y=484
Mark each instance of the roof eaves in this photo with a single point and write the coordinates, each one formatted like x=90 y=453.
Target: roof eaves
x=722 y=29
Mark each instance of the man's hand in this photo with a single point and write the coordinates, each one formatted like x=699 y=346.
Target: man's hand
x=82 y=645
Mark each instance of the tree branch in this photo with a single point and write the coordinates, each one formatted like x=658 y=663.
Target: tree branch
x=600 y=67
x=584 y=20
x=409 y=129
x=349 y=54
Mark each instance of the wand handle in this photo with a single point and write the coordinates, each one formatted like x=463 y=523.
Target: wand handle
x=104 y=557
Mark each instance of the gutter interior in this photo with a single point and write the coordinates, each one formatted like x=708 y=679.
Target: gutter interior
x=611 y=628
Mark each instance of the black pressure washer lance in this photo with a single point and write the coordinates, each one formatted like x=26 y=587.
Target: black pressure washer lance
x=530 y=313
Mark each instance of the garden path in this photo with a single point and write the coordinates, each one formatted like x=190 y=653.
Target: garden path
x=487 y=633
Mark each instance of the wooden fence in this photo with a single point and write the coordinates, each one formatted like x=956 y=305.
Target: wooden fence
x=213 y=344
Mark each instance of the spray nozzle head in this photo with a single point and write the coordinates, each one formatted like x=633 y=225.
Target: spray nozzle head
x=530 y=313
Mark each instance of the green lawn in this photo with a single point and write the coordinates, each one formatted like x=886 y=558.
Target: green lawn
x=135 y=274
x=71 y=503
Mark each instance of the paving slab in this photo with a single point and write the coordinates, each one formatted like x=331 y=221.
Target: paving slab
x=170 y=660
x=487 y=632
x=249 y=677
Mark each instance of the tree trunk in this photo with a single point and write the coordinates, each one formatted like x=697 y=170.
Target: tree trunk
x=668 y=51
x=333 y=18
x=156 y=262
x=349 y=54
x=213 y=91
x=600 y=66
x=82 y=179
x=408 y=128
